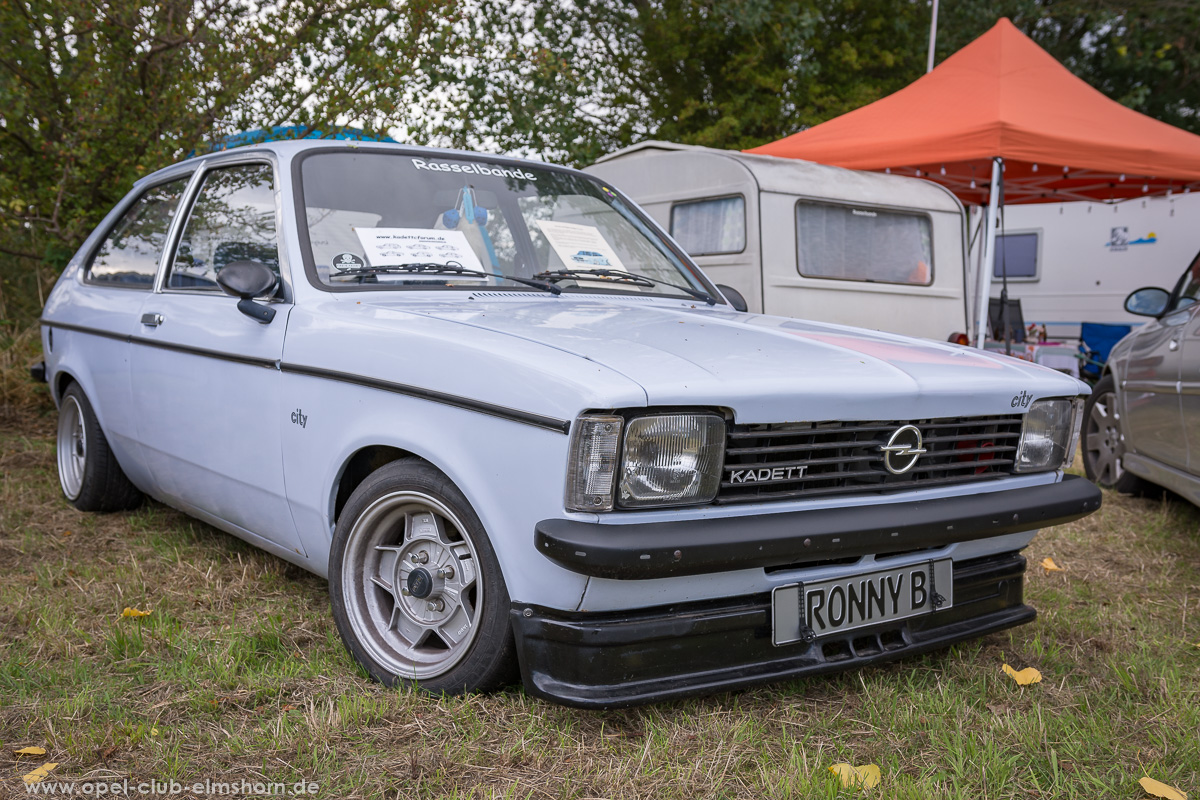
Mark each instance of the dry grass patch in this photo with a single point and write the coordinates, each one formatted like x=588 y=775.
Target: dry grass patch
x=238 y=674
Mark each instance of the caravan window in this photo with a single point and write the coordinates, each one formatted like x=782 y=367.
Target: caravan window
x=709 y=227
x=1016 y=253
x=863 y=244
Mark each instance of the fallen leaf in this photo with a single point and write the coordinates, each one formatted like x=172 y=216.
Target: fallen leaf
x=31 y=751
x=39 y=774
x=1160 y=789
x=1024 y=677
x=866 y=776
x=66 y=533
x=1049 y=565
x=154 y=731
x=134 y=612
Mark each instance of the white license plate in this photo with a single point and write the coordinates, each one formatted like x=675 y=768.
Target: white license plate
x=804 y=611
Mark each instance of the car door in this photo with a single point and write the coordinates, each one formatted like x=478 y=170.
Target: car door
x=1189 y=370
x=206 y=377
x=97 y=322
x=1153 y=409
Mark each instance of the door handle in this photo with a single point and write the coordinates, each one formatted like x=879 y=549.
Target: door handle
x=154 y=320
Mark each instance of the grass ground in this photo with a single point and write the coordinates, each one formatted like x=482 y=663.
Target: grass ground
x=238 y=674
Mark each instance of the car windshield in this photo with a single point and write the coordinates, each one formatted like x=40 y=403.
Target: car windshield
x=374 y=216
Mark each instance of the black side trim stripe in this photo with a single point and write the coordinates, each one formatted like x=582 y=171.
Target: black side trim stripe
x=524 y=417
x=204 y=352
x=84 y=329
x=512 y=414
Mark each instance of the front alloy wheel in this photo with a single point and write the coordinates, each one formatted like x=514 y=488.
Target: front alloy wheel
x=416 y=592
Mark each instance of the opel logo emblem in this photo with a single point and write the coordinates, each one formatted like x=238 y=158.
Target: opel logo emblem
x=901 y=452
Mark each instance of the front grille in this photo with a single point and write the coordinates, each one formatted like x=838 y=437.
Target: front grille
x=807 y=459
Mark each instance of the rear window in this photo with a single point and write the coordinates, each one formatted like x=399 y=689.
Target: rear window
x=863 y=244
x=129 y=255
x=710 y=227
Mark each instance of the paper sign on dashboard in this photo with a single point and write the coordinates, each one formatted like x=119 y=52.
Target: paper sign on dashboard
x=580 y=246
x=391 y=247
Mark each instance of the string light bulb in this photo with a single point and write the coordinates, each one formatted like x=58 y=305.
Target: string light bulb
x=1035 y=167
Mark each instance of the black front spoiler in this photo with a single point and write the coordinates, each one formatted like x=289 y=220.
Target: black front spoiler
x=614 y=659
x=693 y=547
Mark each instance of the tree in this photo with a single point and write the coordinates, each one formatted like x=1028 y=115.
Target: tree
x=572 y=81
x=93 y=95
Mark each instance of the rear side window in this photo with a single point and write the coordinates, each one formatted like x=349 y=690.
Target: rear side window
x=710 y=227
x=129 y=255
x=863 y=244
x=233 y=219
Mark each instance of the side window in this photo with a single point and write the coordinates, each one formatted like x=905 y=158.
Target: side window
x=233 y=219
x=130 y=253
x=1016 y=254
x=863 y=244
x=710 y=227
x=1189 y=287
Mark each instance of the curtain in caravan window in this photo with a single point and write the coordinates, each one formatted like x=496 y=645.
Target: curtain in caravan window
x=863 y=244
x=708 y=227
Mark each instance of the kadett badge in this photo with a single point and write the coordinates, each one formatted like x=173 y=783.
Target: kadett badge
x=901 y=452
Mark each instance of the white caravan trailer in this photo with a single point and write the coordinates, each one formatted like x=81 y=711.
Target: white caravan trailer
x=807 y=240
x=1071 y=263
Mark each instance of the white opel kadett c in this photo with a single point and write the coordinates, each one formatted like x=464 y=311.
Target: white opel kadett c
x=517 y=428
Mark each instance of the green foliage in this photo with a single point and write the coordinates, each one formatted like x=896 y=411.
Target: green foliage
x=94 y=95
x=572 y=81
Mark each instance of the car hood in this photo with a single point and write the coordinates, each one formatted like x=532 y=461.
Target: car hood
x=763 y=368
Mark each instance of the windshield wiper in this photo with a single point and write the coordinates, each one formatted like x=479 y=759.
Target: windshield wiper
x=448 y=268
x=621 y=276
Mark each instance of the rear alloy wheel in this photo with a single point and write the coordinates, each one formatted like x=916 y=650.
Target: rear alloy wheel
x=416 y=591
x=1103 y=442
x=88 y=472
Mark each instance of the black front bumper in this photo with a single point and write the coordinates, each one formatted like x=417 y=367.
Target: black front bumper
x=693 y=547
x=613 y=659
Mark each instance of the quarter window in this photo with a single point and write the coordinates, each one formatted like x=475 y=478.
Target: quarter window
x=233 y=219
x=710 y=227
x=863 y=244
x=129 y=255
x=1016 y=255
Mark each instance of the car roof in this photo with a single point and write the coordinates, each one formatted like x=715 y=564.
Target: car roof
x=288 y=149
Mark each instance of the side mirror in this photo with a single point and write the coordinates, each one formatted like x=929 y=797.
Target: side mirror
x=248 y=280
x=1148 y=302
x=734 y=297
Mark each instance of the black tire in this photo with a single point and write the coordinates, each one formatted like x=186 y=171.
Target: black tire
x=88 y=472
x=1102 y=442
x=409 y=510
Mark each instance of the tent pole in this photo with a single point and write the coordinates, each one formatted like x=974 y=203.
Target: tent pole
x=989 y=256
x=932 y=37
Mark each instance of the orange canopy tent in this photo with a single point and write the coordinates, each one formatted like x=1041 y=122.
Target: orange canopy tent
x=1003 y=109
